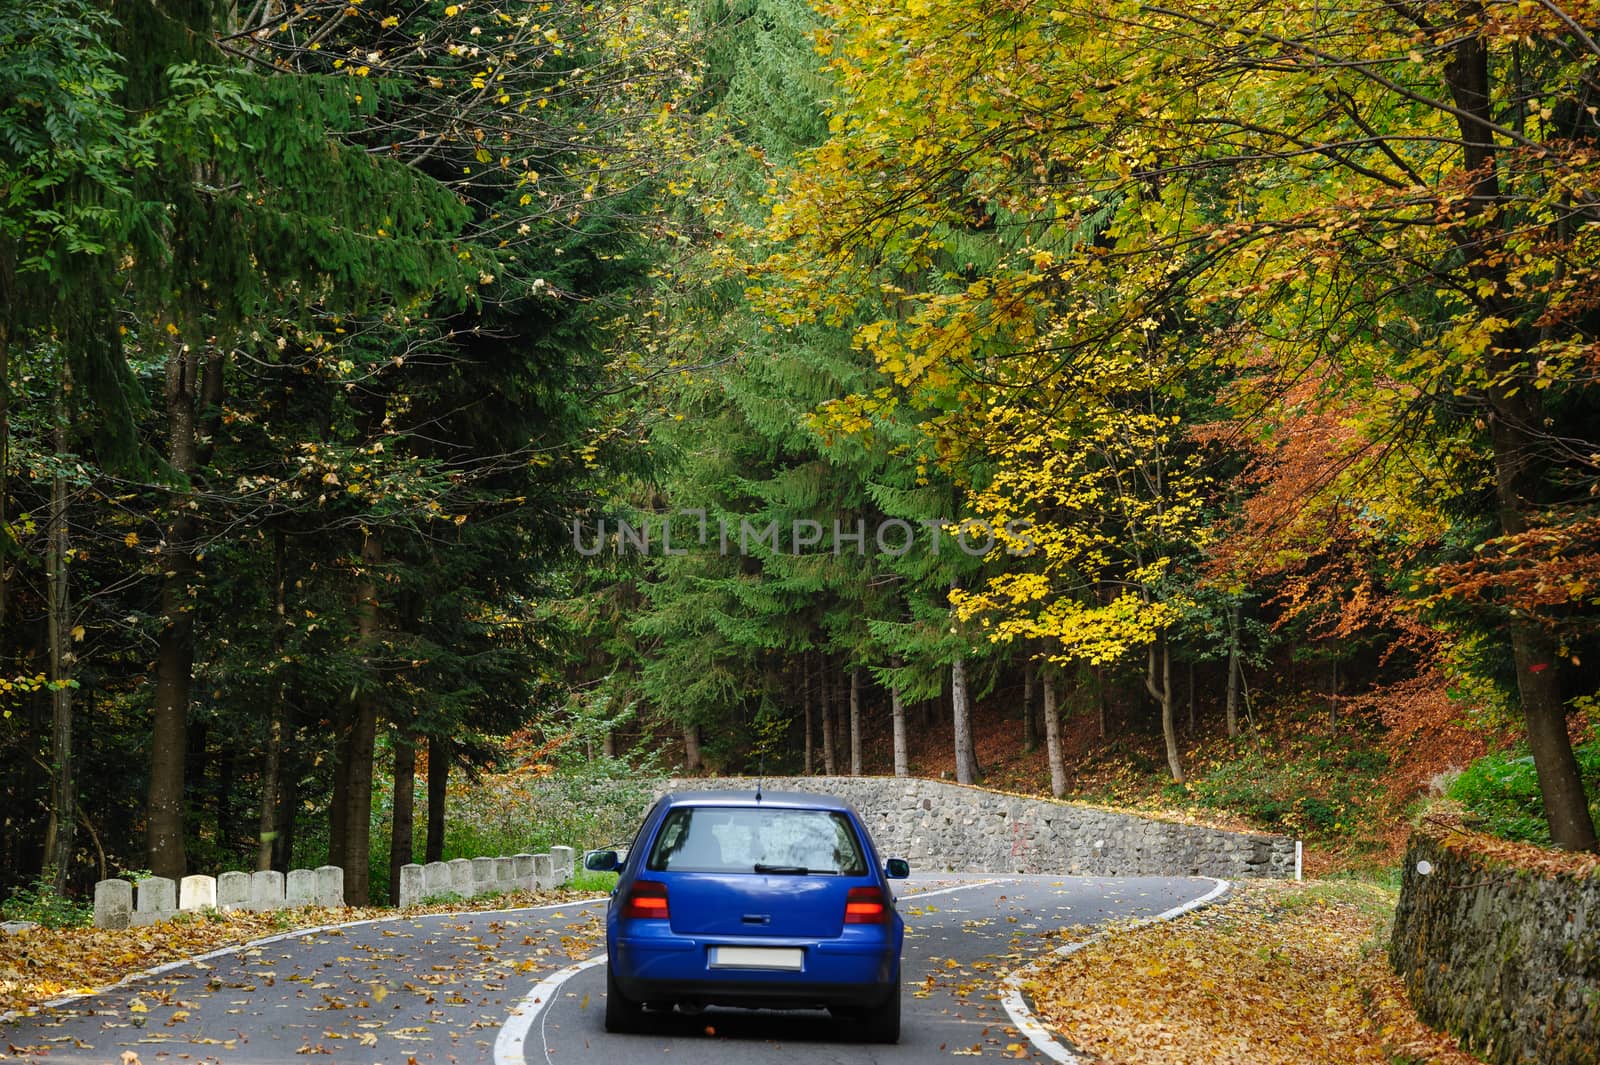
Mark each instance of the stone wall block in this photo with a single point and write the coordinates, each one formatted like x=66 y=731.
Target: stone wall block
x=543 y=875
x=482 y=876
x=505 y=875
x=266 y=890
x=330 y=886
x=561 y=859
x=197 y=893
x=461 y=876
x=300 y=888
x=412 y=884
x=113 y=904
x=233 y=892
x=525 y=878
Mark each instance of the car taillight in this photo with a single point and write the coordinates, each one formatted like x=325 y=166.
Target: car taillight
x=646 y=899
x=865 y=905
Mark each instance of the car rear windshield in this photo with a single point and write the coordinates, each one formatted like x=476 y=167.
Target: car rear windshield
x=723 y=839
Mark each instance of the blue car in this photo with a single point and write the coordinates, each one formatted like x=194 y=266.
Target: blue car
x=769 y=901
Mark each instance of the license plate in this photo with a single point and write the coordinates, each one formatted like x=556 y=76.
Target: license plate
x=788 y=959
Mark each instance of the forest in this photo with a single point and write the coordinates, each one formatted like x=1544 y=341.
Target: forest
x=393 y=394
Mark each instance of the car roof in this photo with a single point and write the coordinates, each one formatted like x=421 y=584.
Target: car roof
x=794 y=800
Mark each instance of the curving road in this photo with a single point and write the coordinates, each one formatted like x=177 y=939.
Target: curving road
x=500 y=988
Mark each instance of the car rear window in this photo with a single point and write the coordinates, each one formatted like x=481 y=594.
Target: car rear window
x=739 y=839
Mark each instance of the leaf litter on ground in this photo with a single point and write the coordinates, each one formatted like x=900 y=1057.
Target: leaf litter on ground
x=42 y=964
x=1277 y=974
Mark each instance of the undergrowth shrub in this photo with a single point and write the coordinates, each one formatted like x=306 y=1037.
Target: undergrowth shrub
x=1500 y=792
x=41 y=905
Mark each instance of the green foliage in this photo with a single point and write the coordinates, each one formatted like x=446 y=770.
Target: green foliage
x=1318 y=790
x=43 y=906
x=1501 y=791
x=525 y=812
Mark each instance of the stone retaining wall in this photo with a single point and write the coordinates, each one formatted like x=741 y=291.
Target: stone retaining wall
x=1504 y=957
x=943 y=826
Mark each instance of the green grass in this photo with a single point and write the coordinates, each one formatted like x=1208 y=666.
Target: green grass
x=589 y=880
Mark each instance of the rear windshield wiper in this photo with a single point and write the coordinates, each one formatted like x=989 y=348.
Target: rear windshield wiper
x=792 y=870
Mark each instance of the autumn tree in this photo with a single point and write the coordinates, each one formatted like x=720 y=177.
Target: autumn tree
x=1392 y=196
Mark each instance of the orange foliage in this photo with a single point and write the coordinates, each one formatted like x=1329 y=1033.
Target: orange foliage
x=1551 y=571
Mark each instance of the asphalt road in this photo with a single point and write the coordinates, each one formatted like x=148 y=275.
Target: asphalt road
x=442 y=989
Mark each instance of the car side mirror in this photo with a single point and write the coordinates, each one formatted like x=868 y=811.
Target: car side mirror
x=601 y=861
x=896 y=868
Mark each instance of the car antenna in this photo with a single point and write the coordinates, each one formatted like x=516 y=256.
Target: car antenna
x=761 y=773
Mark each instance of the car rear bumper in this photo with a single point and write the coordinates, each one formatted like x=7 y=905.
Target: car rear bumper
x=841 y=973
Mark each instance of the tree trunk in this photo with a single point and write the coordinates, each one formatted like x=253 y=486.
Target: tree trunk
x=5 y=466
x=267 y=830
x=438 y=781
x=967 y=771
x=855 y=722
x=1515 y=423
x=1158 y=657
x=270 y=763
x=222 y=798
x=897 y=711
x=363 y=732
x=1233 y=671
x=1100 y=699
x=1192 y=725
x=691 y=749
x=805 y=714
x=339 y=801
x=1030 y=730
x=1052 y=736
x=1333 y=693
x=825 y=685
x=191 y=387
x=164 y=835
x=288 y=814
x=63 y=788
x=405 y=784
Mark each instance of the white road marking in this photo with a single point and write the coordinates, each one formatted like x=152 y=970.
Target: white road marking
x=1017 y=1006
x=508 y=1045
